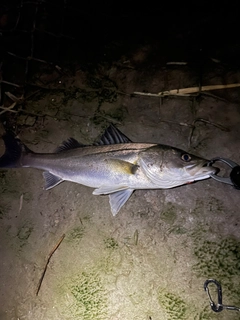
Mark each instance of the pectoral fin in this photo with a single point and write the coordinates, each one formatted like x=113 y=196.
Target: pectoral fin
x=118 y=195
x=117 y=199
x=51 y=180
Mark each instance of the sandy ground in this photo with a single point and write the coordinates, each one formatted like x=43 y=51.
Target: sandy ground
x=151 y=260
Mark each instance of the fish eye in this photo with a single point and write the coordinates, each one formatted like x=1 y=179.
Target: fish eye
x=186 y=157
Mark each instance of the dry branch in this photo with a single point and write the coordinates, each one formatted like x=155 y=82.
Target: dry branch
x=191 y=90
x=7 y=109
x=48 y=260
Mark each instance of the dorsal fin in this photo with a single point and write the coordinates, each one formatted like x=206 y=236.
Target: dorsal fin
x=112 y=136
x=69 y=144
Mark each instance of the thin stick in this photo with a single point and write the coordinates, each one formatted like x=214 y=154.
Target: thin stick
x=173 y=63
x=11 y=83
x=8 y=108
x=217 y=125
x=14 y=98
x=17 y=101
x=48 y=260
x=21 y=203
x=186 y=91
x=27 y=59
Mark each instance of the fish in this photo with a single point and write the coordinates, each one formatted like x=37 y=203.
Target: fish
x=113 y=166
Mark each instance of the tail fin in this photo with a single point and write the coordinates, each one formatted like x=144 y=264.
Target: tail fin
x=13 y=152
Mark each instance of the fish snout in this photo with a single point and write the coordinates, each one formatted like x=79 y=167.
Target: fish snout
x=208 y=164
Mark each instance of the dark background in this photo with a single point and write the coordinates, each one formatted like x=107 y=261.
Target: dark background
x=104 y=30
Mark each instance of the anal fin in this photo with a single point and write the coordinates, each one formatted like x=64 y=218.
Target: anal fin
x=118 y=199
x=51 y=180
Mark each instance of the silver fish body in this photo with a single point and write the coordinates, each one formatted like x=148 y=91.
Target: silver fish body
x=115 y=166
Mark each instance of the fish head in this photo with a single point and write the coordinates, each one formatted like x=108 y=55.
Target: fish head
x=170 y=167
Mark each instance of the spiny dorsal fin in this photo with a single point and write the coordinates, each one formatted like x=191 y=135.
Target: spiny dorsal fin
x=69 y=144
x=112 y=136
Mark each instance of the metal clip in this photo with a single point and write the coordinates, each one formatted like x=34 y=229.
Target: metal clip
x=219 y=306
x=234 y=178
x=215 y=307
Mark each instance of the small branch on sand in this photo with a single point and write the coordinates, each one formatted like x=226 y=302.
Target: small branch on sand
x=48 y=260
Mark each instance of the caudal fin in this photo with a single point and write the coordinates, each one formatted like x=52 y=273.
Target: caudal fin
x=13 y=152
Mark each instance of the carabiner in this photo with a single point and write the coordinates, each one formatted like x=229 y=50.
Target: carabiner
x=234 y=178
x=219 y=306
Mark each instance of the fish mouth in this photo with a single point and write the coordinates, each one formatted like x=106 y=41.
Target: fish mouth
x=205 y=167
x=205 y=171
x=212 y=170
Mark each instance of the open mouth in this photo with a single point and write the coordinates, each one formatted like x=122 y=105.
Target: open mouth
x=209 y=164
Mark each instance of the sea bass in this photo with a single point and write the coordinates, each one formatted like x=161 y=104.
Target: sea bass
x=115 y=165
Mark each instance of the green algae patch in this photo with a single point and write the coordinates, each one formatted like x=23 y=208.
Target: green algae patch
x=220 y=260
x=24 y=233
x=212 y=204
x=174 y=306
x=4 y=209
x=169 y=214
x=206 y=314
x=75 y=235
x=110 y=243
x=178 y=230
x=215 y=205
x=86 y=297
x=2 y=213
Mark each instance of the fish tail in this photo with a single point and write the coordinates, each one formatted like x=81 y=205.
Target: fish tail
x=14 y=152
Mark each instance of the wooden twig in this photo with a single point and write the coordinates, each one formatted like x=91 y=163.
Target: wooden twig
x=11 y=83
x=14 y=98
x=191 y=90
x=48 y=260
x=21 y=203
x=29 y=58
x=8 y=108
x=176 y=63
x=217 y=125
x=17 y=101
